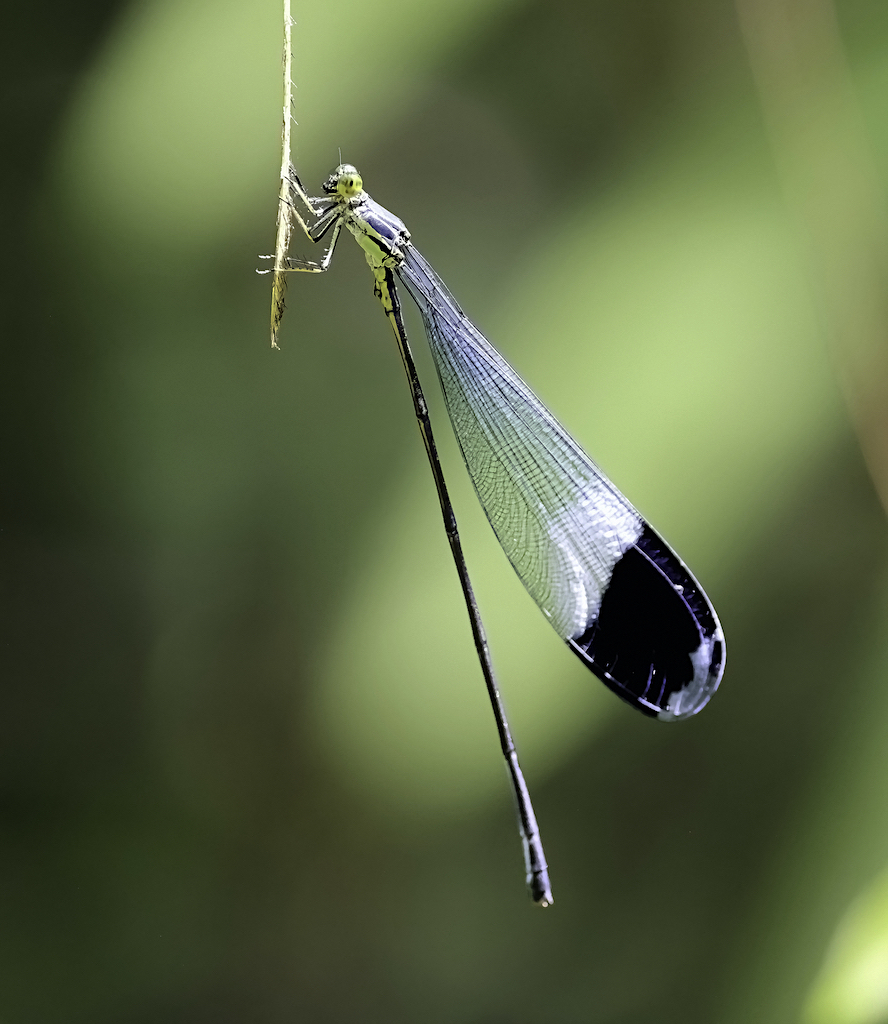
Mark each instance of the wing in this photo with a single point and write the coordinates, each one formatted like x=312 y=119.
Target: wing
x=612 y=588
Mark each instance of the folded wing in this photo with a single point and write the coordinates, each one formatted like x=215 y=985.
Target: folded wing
x=613 y=590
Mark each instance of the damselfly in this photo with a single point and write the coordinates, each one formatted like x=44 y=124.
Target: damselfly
x=613 y=589
x=619 y=596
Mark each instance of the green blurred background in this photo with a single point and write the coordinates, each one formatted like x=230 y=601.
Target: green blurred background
x=248 y=770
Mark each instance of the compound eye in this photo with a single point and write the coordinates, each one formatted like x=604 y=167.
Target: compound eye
x=349 y=181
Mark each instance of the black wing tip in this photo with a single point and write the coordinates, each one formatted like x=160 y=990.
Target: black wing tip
x=656 y=640
x=673 y=705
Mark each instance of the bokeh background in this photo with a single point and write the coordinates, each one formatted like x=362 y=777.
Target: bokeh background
x=248 y=770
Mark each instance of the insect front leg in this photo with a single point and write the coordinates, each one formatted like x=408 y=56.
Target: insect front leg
x=316 y=232
x=283 y=263
x=327 y=219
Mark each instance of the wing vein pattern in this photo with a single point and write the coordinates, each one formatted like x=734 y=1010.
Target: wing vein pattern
x=560 y=521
